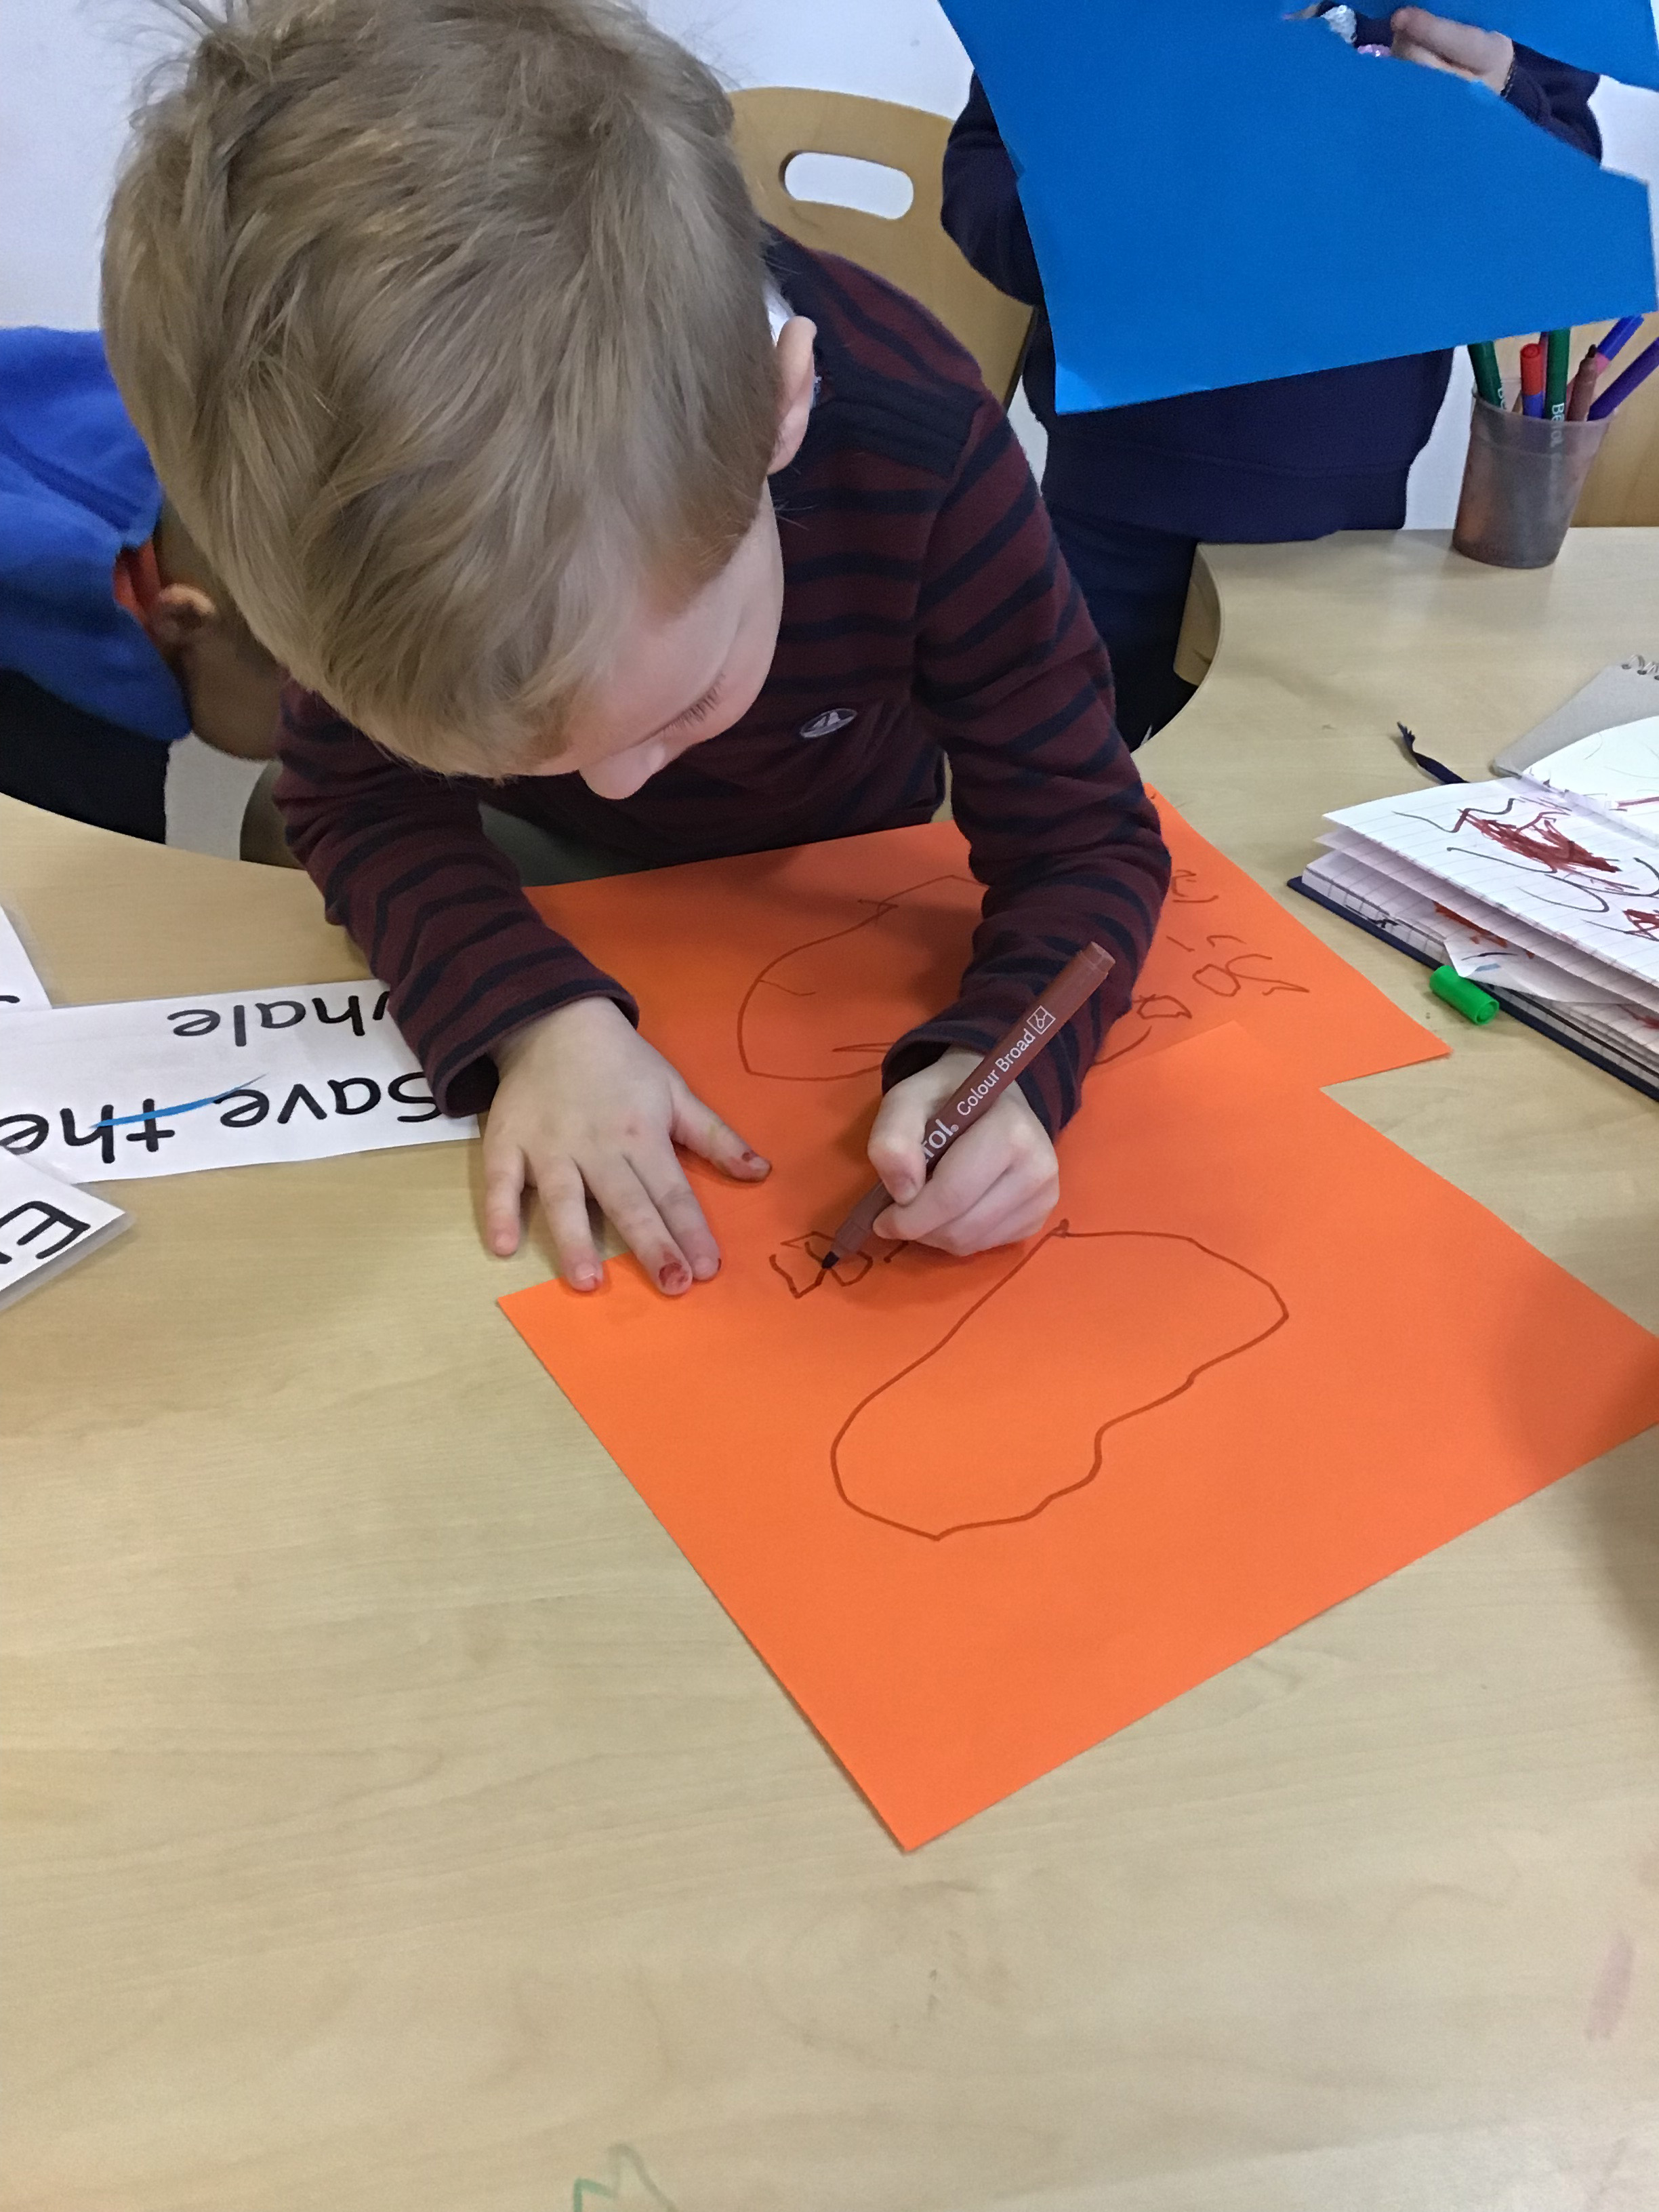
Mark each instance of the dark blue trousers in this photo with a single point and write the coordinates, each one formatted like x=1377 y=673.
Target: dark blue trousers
x=1134 y=582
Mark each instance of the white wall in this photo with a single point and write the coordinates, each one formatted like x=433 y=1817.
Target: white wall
x=66 y=67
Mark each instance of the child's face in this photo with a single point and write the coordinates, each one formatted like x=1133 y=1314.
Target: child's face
x=683 y=677
x=688 y=675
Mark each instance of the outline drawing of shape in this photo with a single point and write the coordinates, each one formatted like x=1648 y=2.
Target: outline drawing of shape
x=1147 y=1314
x=809 y=1015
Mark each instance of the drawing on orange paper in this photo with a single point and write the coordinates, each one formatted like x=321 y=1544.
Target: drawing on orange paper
x=799 y=1263
x=822 y=1011
x=1220 y=962
x=1184 y=889
x=963 y=1437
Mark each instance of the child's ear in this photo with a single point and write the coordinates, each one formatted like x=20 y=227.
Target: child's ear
x=178 y=616
x=797 y=377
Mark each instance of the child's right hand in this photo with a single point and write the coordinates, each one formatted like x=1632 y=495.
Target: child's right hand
x=586 y=1106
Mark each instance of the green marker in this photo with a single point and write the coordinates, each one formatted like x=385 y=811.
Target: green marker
x=1470 y=1000
x=1557 y=369
x=1488 y=377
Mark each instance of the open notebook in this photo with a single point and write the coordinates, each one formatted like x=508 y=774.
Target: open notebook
x=1542 y=887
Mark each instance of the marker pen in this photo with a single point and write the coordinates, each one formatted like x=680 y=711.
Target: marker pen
x=1036 y=1028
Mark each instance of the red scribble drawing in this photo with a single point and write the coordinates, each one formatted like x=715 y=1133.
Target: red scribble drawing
x=1228 y=974
x=806 y=1017
x=1541 y=839
x=1132 y=1029
x=799 y=1263
x=1219 y=969
x=1184 y=892
x=1009 y=1412
x=1562 y=872
x=1474 y=928
x=1645 y=921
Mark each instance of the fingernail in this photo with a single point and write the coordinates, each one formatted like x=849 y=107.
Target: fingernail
x=585 y=1278
x=672 y=1276
x=706 y=1270
x=760 y=1166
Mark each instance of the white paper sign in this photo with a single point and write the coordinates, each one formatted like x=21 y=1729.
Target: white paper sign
x=166 y=1086
x=20 y=989
x=46 y=1226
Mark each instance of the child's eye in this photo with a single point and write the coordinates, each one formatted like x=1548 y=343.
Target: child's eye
x=703 y=708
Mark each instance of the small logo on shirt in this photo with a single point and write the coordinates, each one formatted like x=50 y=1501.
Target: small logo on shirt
x=831 y=719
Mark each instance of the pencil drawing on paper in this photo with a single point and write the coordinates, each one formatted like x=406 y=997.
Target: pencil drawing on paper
x=792 y=1021
x=1092 y=1329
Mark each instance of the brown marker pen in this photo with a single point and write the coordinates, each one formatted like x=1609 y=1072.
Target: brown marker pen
x=1039 y=1024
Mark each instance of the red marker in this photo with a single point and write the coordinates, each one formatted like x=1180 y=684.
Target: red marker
x=1591 y=370
x=1036 y=1028
x=1532 y=378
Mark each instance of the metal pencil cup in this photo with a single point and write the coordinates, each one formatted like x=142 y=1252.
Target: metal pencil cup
x=1521 y=483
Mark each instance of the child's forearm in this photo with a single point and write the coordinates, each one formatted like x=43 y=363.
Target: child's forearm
x=1015 y=682
x=406 y=869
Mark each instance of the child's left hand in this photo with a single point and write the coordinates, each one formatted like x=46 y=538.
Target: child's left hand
x=998 y=1184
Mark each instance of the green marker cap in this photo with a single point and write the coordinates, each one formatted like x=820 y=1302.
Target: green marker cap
x=1470 y=1000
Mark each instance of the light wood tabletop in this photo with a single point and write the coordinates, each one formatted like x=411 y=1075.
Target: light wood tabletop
x=394 y=1823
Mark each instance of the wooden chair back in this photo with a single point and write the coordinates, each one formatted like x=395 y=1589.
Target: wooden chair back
x=772 y=125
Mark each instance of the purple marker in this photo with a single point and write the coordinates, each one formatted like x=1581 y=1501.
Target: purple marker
x=1621 y=387
x=1620 y=336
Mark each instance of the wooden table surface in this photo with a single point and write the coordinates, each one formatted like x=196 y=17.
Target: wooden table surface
x=395 y=1824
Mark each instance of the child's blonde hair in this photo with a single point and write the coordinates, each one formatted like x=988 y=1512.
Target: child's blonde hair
x=446 y=323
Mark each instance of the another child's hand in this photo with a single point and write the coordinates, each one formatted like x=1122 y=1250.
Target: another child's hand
x=585 y=1105
x=1486 y=56
x=996 y=1184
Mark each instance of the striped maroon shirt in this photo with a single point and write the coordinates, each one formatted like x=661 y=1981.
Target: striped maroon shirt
x=927 y=617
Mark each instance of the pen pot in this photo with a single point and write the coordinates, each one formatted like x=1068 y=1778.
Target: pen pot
x=1521 y=483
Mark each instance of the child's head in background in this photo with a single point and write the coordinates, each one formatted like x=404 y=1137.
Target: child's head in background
x=232 y=686
x=447 y=325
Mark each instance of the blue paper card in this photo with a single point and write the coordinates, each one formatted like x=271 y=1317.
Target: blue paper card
x=1218 y=195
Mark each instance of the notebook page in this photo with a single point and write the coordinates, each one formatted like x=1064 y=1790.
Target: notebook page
x=1469 y=908
x=1615 y=773
x=1534 y=858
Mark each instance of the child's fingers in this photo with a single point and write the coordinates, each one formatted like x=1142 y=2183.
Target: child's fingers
x=503 y=1194
x=633 y=1213
x=1407 y=50
x=1002 y=1173
x=895 y=1147
x=1437 y=42
x=564 y=1201
x=701 y=1131
x=1009 y=1213
x=663 y=1183
x=975 y=1164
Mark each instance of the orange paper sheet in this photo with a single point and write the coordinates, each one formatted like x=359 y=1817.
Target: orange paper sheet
x=835 y=949
x=977 y=1515
x=1227 y=951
